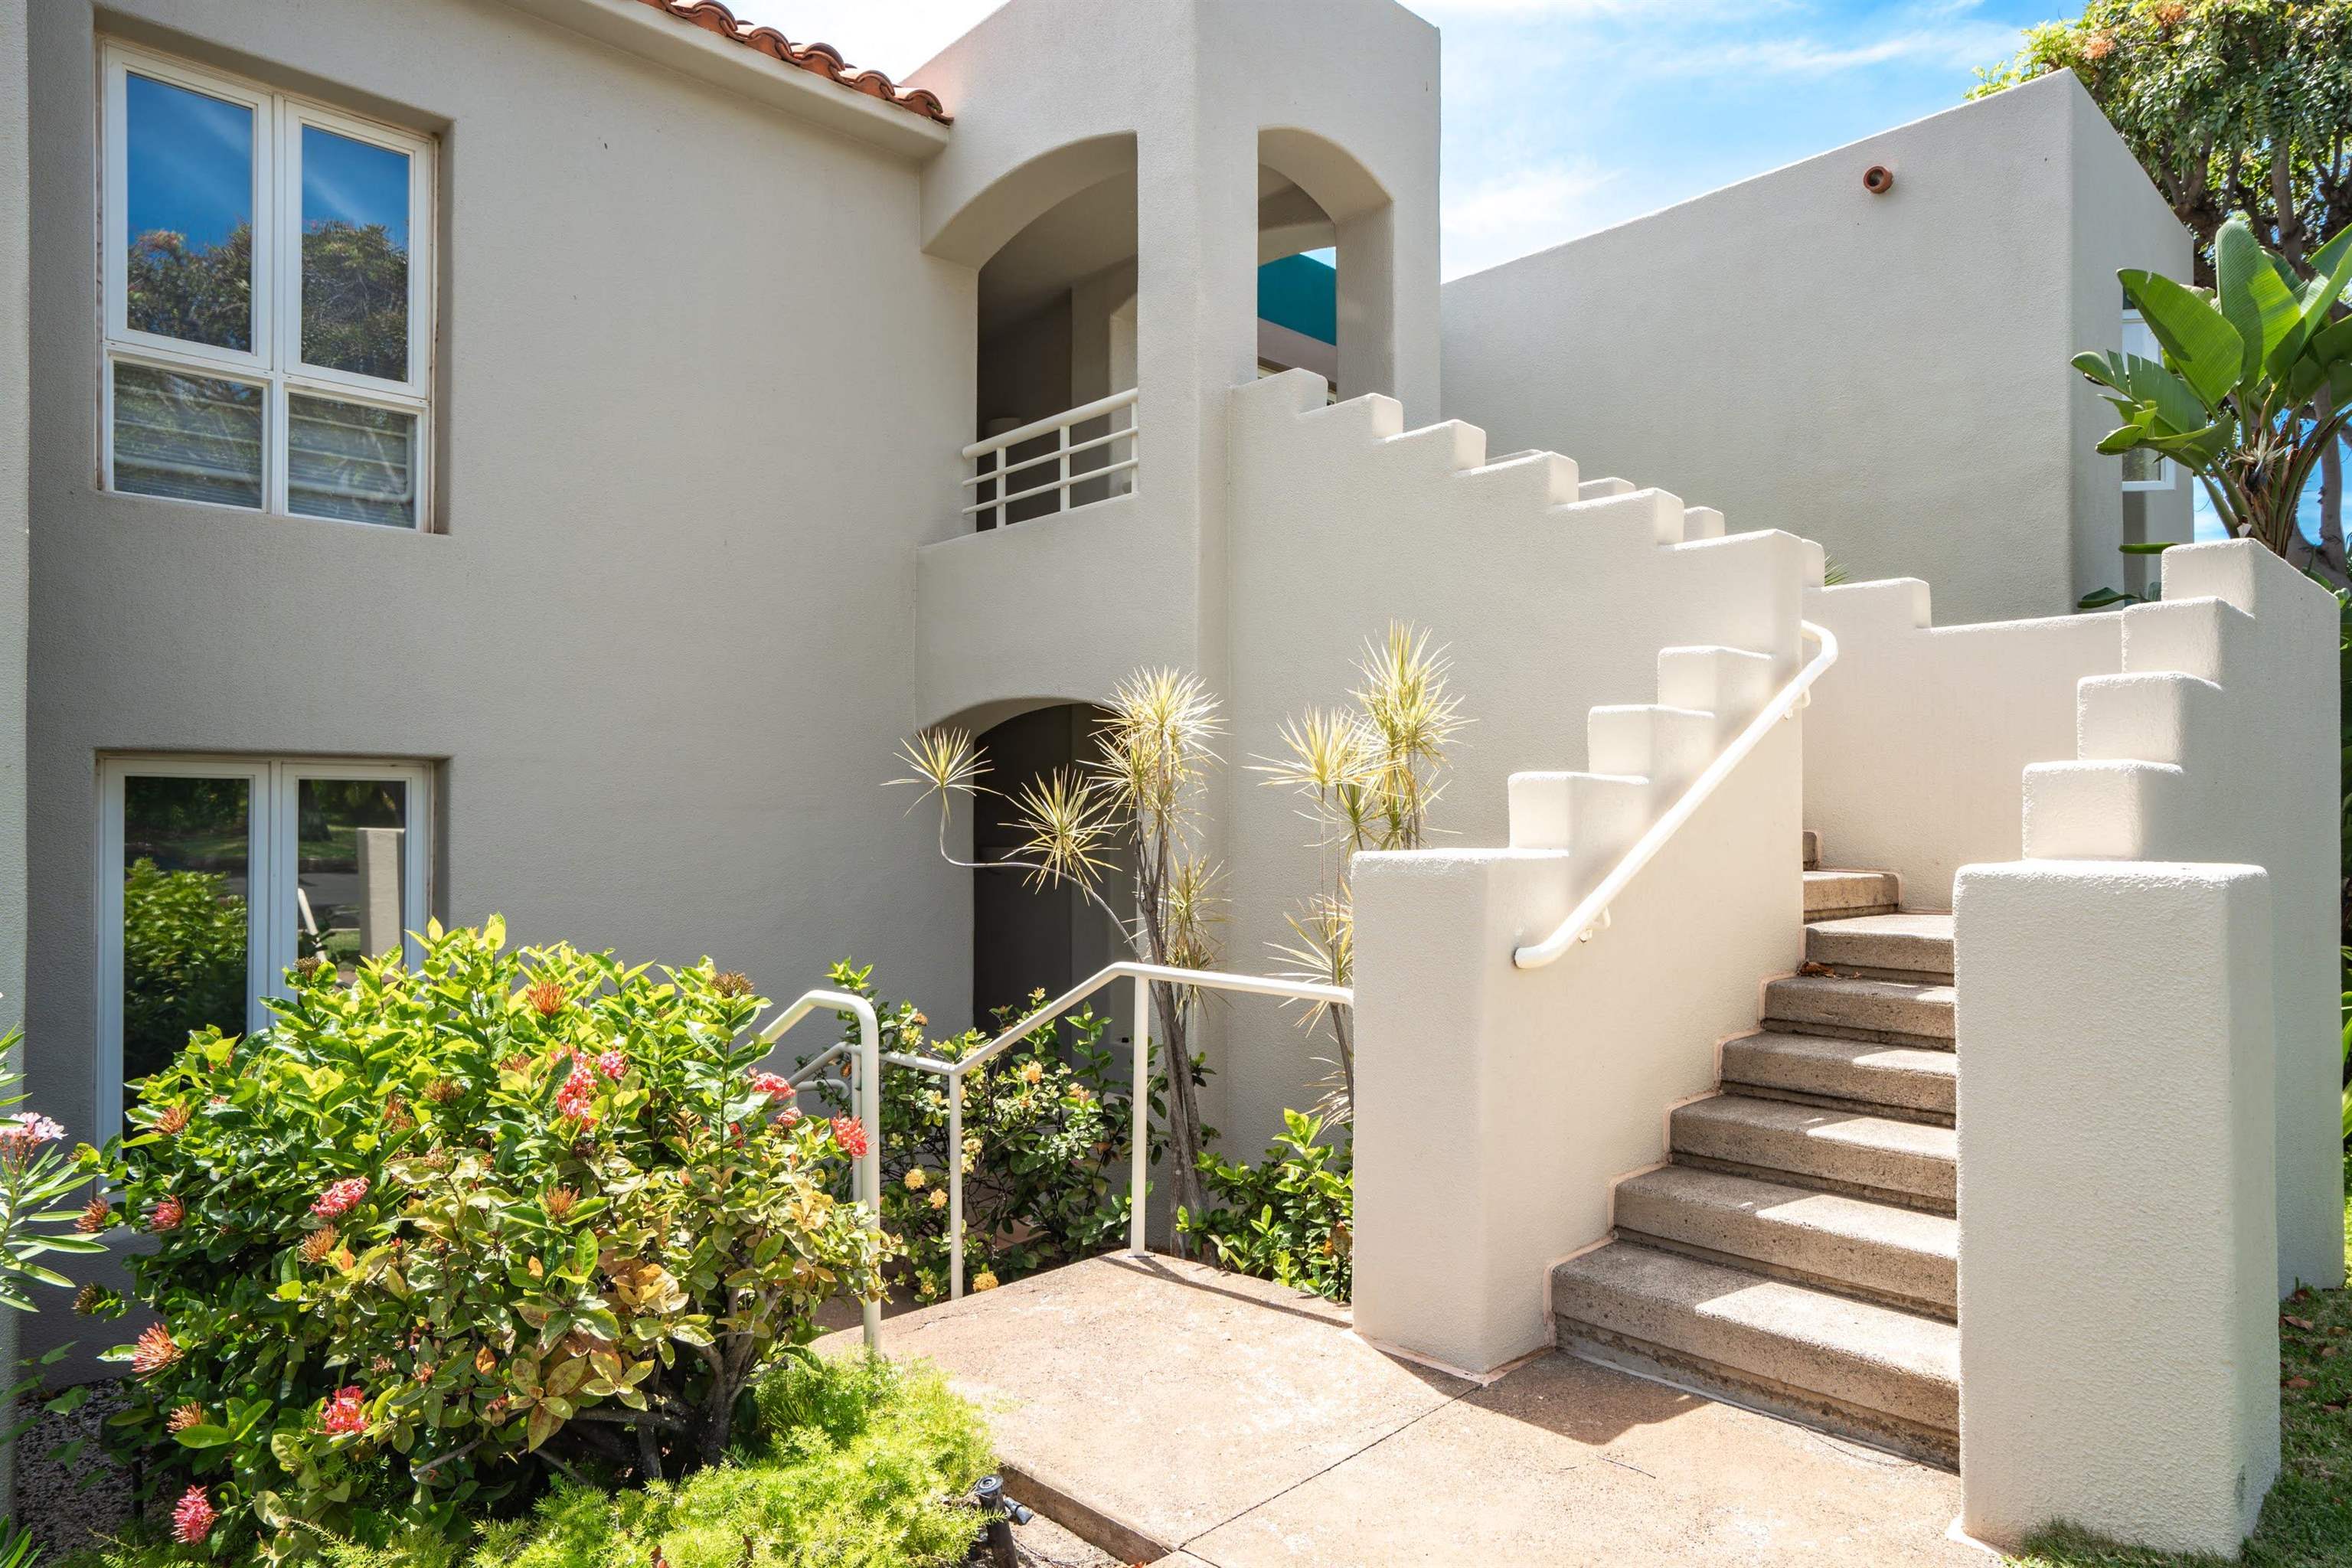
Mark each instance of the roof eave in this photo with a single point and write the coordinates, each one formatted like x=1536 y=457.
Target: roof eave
x=646 y=31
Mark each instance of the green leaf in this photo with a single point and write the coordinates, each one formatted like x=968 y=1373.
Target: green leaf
x=203 y=1435
x=2204 y=347
x=2251 y=298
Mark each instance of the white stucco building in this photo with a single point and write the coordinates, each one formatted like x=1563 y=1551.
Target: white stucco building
x=539 y=457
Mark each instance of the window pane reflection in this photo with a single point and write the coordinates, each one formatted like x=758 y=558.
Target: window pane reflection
x=195 y=437
x=186 y=921
x=354 y=255
x=350 y=881
x=351 y=461
x=189 y=212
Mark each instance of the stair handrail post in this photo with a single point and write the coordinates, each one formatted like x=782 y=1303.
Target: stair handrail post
x=866 y=1170
x=1592 y=912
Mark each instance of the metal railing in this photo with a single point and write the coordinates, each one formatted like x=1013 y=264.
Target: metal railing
x=993 y=463
x=869 y=1087
x=871 y=1060
x=1592 y=913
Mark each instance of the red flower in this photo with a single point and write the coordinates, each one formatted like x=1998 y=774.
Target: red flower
x=577 y=1097
x=612 y=1064
x=191 y=1516
x=166 y=1215
x=775 y=1085
x=850 y=1134
x=154 y=1350
x=341 y=1197
x=346 y=1412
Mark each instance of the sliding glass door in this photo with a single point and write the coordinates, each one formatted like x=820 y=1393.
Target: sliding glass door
x=216 y=875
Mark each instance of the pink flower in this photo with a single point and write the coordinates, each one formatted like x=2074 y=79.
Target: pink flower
x=850 y=1134
x=775 y=1085
x=154 y=1350
x=612 y=1064
x=577 y=1097
x=340 y=1198
x=166 y=1215
x=787 y=1115
x=191 y=1516
x=22 y=1134
x=346 y=1412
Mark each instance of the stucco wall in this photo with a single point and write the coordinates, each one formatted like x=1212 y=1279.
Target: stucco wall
x=1885 y=374
x=699 y=397
x=16 y=228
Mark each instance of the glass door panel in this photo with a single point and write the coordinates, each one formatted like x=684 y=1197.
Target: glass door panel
x=350 y=892
x=187 y=933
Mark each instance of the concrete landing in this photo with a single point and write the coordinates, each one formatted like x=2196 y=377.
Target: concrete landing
x=1164 y=1410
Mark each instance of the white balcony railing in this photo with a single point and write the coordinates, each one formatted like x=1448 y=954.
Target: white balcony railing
x=1012 y=484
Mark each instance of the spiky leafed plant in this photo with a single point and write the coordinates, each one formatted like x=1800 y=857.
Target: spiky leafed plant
x=1140 y=793
x=1369 y=775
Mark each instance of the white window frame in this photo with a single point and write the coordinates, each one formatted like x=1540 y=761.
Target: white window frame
x=2168 y=472
x=274 y=363
x=273 y=798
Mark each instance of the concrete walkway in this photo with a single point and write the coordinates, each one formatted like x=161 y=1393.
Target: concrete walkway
x=1170 y=1412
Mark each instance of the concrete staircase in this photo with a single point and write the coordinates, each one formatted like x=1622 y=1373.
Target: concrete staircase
x=1800 y=1253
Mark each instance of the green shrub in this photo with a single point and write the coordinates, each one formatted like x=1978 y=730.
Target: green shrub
x=863 y=1466
x=1289 y=1218
x=1043 y=1125
x=439 y=1233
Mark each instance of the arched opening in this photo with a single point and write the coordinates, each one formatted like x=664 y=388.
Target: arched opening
x=1326 y=261
x=1056 y=337
x=1025 y=937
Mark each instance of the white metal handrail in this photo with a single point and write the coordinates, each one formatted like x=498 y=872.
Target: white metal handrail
x=1144 y=975
x=868 y=1169
x=999 y=471
x=1592 y=913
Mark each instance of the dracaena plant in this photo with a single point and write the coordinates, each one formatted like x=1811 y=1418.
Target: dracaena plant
x=2255 y=382
x=1138 y=797
x=1367 y=774
x=440 y=1234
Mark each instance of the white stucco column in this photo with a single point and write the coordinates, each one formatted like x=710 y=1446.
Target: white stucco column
x=2118 y=1343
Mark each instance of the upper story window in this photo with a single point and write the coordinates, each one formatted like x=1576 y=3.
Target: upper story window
x=2142 y=469
x=268 y=277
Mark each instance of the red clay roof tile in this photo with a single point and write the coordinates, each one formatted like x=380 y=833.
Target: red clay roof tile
x=822 y=58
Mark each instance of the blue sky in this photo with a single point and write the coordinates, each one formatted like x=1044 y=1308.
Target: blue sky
x=1566 y=116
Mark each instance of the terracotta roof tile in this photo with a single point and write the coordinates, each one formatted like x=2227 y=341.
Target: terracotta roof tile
x=822 y=58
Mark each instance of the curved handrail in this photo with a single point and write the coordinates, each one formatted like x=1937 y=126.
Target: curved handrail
x=1144 y=975
x=869 y=1103
x=1053 y=422
x=1592 y=912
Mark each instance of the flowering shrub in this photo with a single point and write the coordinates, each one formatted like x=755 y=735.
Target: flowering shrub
x=1289 y=1218
x=440 y=1233
x=1042 y=1123
x=33 y=1176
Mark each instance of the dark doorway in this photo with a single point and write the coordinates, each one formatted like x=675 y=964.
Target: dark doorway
x=1025 y=937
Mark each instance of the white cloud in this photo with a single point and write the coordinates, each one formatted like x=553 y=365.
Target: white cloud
x=1969 y=43
x=1509 y=215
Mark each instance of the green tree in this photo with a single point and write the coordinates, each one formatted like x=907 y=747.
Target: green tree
x=2232 y=107
x=354 y=294
x=183 y=962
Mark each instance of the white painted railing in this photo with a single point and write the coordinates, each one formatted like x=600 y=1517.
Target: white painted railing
x=869 y=1062
x=1592 y=913
x=993 y=465
x=868 y=1088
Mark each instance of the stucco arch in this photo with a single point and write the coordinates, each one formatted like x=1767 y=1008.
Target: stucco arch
x=978 y=718
x=1334 y=177
x=980 y=228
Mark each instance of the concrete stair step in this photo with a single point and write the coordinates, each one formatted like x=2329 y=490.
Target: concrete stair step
x=1829 y=894
x=1897 y=1256
x=1908 y=1079
x=1877 y=1373
x=1914 y=1163
x=1902 y=1010
x=1907 y=941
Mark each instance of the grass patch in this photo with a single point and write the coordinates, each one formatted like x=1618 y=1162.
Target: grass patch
x=855 y=1463
x=2307 y=1519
